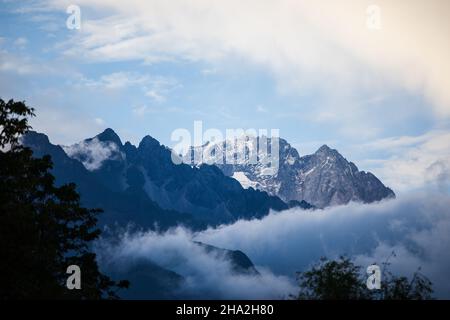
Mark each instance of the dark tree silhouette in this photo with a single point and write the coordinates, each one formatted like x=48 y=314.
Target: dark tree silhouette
x=419 y=287
x=341 y=279
x=43 y=228
x=332 y=280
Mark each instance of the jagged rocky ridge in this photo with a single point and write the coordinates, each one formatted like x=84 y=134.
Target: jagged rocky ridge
x=142 y=185
x=322 y=179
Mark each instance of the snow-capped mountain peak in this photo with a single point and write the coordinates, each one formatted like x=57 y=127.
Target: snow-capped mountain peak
x=324 y=178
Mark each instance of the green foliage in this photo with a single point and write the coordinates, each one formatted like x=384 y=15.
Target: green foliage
x=401 y=288
x=341 y=279
x=13 y=121
x=43 y=228
x=332 y=280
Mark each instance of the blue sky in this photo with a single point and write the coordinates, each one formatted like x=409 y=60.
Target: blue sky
x=149 y=67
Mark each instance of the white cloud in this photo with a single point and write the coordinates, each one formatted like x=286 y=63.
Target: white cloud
x=142 y=110
x=99 y=121
x=416 y=227
x=261 y=109
x=207 y=274
x=21 y=65
x=116 y=80
x=34 y=7
x=157 y=88
x=209 y=71
x=412 y=162
x=305 y=44
x=21 y=42
x=155 y=95
x=93 y=153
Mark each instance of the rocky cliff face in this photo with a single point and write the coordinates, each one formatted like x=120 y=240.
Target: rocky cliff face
x=142 y=184
x=322 y=179
x=326 y=178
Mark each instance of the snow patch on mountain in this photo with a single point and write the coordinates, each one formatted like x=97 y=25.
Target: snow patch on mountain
x=244 y=180
x=323 y=179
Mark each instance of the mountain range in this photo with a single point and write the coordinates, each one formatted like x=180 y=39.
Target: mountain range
x=143 y=186
x=324 y=178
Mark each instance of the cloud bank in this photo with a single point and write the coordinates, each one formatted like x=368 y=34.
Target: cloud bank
x=413 y=162
x=305 y=44
x=207 y=275
x=416 y=227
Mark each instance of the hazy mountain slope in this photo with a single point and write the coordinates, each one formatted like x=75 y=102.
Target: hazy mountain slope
x=148 y=280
